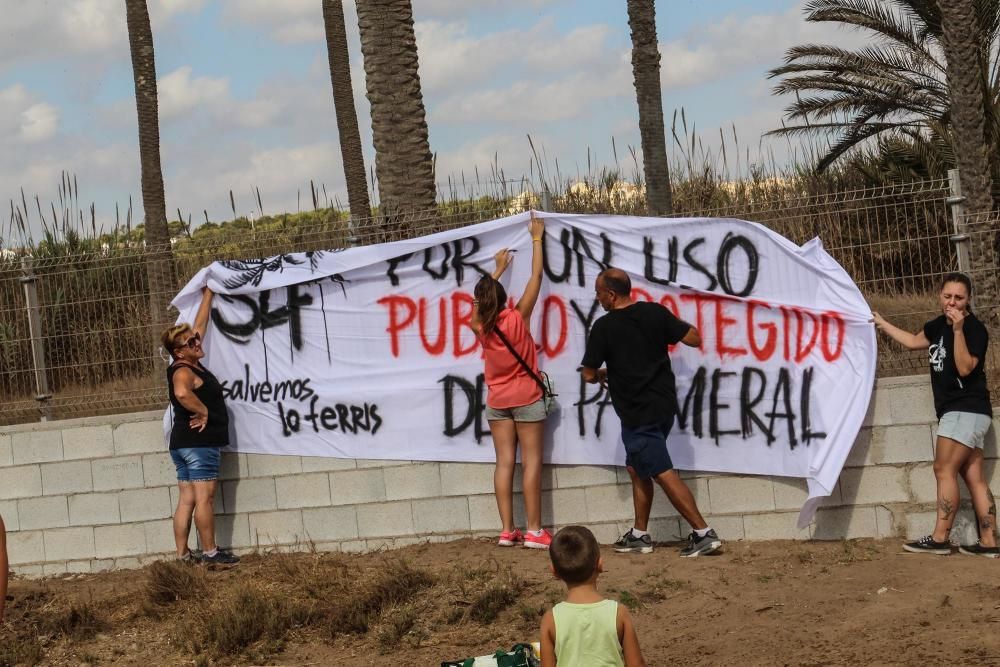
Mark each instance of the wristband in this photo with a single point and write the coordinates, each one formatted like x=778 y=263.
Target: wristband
x=536 y=240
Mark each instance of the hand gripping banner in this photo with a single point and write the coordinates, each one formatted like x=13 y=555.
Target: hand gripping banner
x=367 y=352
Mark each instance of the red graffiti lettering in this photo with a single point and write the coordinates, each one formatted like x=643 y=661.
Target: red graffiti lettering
x=395 y=303
x=771 y=342
x=721 y=324
x=437 y=347
x=828 y=354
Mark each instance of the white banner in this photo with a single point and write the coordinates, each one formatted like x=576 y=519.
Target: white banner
x=367 y=352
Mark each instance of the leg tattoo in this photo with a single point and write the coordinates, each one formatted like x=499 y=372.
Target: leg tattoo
x=989 y=522
x=946 y=507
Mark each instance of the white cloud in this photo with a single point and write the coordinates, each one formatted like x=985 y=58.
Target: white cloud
x=24 y=118
x=169 y=8
x=732 y=45
x=179 y=93
x=450 y=8
x=39 y=122
x=288 y=21
x=451 y=58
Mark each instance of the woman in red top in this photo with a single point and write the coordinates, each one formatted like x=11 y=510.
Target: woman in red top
x=515 y=407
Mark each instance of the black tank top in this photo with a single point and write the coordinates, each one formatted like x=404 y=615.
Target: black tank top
x=216 y=433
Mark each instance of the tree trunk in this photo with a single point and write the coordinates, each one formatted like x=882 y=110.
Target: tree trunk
x=646 y=72
x=347 y=115
x=403 y=161
x=159 y=259
x=966 y=67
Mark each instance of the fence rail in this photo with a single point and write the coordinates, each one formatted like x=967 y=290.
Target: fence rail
x=90 y=350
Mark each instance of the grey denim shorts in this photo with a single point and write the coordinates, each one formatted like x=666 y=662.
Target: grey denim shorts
x=968 y=428
x=532 y=412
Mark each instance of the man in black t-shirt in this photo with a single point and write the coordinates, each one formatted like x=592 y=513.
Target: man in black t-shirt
x=631 y=343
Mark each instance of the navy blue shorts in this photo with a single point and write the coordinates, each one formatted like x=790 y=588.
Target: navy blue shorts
x=646 y=448
x=196 y=464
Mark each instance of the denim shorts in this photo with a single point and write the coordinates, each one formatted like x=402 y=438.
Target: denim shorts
x=197 y=464
x=968 y=428
x=532 y=412
x=646 y=448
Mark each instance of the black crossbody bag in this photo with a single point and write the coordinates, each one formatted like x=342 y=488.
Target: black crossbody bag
x=541 y=378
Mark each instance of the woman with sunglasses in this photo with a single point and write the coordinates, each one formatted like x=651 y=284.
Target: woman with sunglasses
x=200 y=430
x=515 y=407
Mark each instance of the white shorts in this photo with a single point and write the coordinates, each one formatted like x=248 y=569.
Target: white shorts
x=968 y=428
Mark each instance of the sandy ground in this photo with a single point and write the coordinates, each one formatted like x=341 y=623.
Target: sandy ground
x=767 y=603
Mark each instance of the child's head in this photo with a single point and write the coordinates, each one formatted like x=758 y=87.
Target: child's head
x=575 y=554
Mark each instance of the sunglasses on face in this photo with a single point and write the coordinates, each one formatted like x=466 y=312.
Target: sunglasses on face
x=193 y=341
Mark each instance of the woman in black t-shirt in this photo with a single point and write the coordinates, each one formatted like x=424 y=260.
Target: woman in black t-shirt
x=956 y=342
x=200 y=430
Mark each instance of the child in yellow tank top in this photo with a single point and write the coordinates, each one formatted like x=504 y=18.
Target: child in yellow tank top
x=586 y=629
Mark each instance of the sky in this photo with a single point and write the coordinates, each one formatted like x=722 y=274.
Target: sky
x=245 y=96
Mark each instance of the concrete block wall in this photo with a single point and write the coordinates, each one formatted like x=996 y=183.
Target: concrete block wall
x=94 y=494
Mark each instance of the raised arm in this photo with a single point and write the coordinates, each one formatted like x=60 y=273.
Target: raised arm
x=527 y=301
x=204 y=310
x=911 y=341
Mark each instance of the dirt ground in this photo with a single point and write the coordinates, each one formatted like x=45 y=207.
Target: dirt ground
x=775 y=603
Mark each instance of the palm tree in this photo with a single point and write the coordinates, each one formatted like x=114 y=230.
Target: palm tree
x=966 y=61
x=347 y=116
x=646 y=72
x=891 y=99
x=159 y=262
x=404 y=165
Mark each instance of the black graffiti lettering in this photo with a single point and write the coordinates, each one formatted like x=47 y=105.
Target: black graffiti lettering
x=807 y=433
x=328 y=418
x=312 y=416
x=394 y=263
x=428 y=255
x=715 y=407
x=698 y=266
x=648 y=271
x=242 y=389
x=455 y=389
x=693 y=402
x=456 y=260
x=262 y=317
x=755 y=390
x=586 y=320
x=344 y=415
x=238 y=332
x=731 y=242
x=783 y=388
x=567 y=265
x=747 y=415
x=290 y=421
x=601 y=397
x=574 y=244
x=459 y=262
x=580 y=243
x=346 y=418
x=359 y=417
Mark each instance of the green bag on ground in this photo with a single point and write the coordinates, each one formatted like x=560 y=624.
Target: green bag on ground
x=521 y=655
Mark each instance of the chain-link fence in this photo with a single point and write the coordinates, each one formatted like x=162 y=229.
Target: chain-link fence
x=76 y=337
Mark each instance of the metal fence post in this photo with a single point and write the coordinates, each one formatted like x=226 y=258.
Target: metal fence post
x=42 y=393
x=546 y=199
x=959 y=238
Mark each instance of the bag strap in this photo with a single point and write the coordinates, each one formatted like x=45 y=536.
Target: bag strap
x=524 y=364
